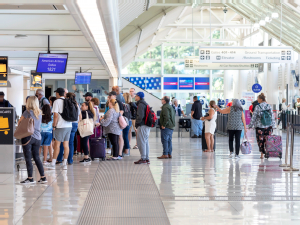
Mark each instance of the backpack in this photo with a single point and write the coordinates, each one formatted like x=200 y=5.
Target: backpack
x=43 y=101
x=266 y=117
x=127 y=112
x=133 y=109
x=70 y=110
x=150 y=117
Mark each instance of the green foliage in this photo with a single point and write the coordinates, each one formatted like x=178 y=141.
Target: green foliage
x=144 y=68
x=218 y=83
x=154 y=53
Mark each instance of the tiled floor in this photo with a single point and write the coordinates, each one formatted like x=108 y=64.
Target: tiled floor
x=194 y=188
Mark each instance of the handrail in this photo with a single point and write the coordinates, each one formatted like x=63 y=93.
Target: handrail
x=142 y=89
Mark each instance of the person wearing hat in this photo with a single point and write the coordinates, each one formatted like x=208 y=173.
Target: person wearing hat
x=4 y=102
x=88 y=96
x=61 y=130
x=143 y=131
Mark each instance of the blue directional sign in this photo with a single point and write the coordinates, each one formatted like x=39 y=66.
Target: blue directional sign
x=222 y=102
x=256 y=88
x=243 y=102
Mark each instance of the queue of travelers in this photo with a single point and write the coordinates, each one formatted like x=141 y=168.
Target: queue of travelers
x=57 y=135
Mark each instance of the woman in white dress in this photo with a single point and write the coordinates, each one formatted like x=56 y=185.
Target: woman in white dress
x=210 y=126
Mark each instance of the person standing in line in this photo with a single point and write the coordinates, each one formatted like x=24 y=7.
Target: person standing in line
x=88 y=96
x=119 y=95
x=51 y=101
x=133 y=109
x=282 y=109
x=46 y=132
x=177 y=108
x=110 y=122
x=40 y=94
x=262 y=130
x=61 y=129
x=86 y=108
x=95 y=102
x=236 y=123
x=31 y=144
x=210 y=126
x=196 y=114
x=143 y=131
x=127 y=114
x=113 y=95
x=71 y=96
x=4 y=102
x=167 y=124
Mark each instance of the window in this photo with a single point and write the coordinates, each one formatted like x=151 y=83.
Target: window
x=185 y=51
x=78 y=89
x=143 y=68
x=170 y=68
x=218 y=83
x=98 y=88
x=170 y=52
x=154 y=53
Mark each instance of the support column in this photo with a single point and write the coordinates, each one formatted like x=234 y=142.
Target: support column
x=228 y=89
x=243 y=83
x=265 y=76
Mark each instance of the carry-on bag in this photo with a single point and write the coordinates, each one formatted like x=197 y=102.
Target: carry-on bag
x=98 y=147
x=246 y=147
x=86 y=126
x=273 y=146
x=204 y=145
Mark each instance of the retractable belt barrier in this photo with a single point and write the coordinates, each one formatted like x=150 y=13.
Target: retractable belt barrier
x=290 y=128
x=292 y=118
x=222 y=120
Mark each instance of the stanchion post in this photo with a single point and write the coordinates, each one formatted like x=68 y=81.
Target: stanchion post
x=291 y=169
x=287 y=147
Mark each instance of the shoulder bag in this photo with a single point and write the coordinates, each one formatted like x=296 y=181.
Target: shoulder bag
x=86 y=126
x=123 y=122
x=25 y=129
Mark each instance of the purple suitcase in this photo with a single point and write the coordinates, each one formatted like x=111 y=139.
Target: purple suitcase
x=97 y=148
x=273 y=146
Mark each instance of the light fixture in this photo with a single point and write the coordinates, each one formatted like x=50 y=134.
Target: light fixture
x=90 y=13
x=262 y=22
x=256 y=25
x=267 y=19
x=275 y=15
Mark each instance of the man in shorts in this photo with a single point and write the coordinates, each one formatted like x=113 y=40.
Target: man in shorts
x=61 y=130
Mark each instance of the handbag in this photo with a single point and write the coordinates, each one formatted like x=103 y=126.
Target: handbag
x=86 y=126
x=122 y=122
x=246 y=147
x=24 y=130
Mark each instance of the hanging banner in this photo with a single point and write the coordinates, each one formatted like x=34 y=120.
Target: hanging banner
x=201 y=83
x=3 y=71
x=246 y=54
x=194 y=64
x=170 y=83
x=35 y=81
x=186 y=83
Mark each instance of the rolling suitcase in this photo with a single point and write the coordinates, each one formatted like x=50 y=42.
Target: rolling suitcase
x=204 y=145
x=273 y=146
x=97 y=148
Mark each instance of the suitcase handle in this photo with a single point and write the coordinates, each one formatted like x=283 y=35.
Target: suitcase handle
x=95 y=131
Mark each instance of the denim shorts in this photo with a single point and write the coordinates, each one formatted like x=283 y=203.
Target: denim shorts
x=46 y=138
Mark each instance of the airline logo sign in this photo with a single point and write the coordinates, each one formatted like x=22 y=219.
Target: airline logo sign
x=246 y=54
x=201 y=83
x=186 y=83
x=170 y=83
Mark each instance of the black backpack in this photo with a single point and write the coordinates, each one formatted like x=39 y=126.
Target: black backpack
x=127 y=112
x=133 y=109
x=70 y=110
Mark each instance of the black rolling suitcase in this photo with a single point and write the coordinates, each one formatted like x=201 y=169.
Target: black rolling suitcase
x=204 y=146
x=97 y=147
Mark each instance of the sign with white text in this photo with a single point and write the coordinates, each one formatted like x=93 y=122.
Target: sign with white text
x=246 y=54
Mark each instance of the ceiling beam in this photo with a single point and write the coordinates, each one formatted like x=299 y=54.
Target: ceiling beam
x=43 y=32
x=212 y=25
x=32 y=2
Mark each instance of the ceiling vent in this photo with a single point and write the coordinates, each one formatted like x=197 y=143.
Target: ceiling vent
x=21 y=36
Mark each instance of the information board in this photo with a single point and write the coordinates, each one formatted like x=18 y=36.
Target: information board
x=201 y=83
x=3 y=71
x=83 y=78
x=35 y=80
x=170 y=83
x=52 y=63
x=186 y=83
x=246 y=54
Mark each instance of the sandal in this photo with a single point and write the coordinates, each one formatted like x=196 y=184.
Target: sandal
x=135 y=147
x=49 y=160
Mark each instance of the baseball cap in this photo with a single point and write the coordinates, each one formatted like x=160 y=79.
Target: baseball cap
x=140 y=94
x=88 y=94
x=112 y=93
x=60 y=91
x=2 y=93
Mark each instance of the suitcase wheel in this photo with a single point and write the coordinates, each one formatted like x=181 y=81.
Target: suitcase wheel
x=103 y=159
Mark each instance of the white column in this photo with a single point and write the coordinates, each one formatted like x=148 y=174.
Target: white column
x=298 y=90
x=162 y=70
x=265 y=76
x=15 y=93
x=242 y=83
x=228 y=89
x=210 y=84
x=287 y=82
x=272 y=85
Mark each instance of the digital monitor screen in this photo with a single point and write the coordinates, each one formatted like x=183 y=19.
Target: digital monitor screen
x=186 y=83
x=52 y=63
x=83 y=78
x=170 y=83
x=202 y=83
x=3 y=71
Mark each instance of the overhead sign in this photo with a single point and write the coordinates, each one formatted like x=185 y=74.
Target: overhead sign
x=194 y=64
x=256 y=88
x=246 y=54
x=186 y=83
x=201 y=83
x=35 y=80
x=170 y=83
x=3 y=71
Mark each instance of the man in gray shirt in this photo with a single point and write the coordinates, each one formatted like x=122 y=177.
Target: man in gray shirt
x=41 y=97
x=119 y=95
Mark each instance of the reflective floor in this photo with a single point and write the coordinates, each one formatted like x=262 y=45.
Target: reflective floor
x=192 y=188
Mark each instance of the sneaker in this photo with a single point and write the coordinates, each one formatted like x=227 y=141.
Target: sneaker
x=28 y=181
x=75 y=154
x=120 y=157
x=45 y=163
x=237 y=156
x=42 y=180
x=141 y=161
x=58 y=162
x=50 y=167
x=115 y=158
x=148 y=161
x=231 y=155
x=85 y=160
x=64 y=167
x=195 y=136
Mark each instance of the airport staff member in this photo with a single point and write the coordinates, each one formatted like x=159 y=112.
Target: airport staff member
x=4 y=102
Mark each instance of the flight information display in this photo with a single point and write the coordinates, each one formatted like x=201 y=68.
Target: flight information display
x=186 y=83
x=83 y=78
x=3 y=71
x=52 y=63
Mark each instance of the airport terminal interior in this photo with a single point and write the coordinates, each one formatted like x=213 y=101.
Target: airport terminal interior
x=230 y=58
